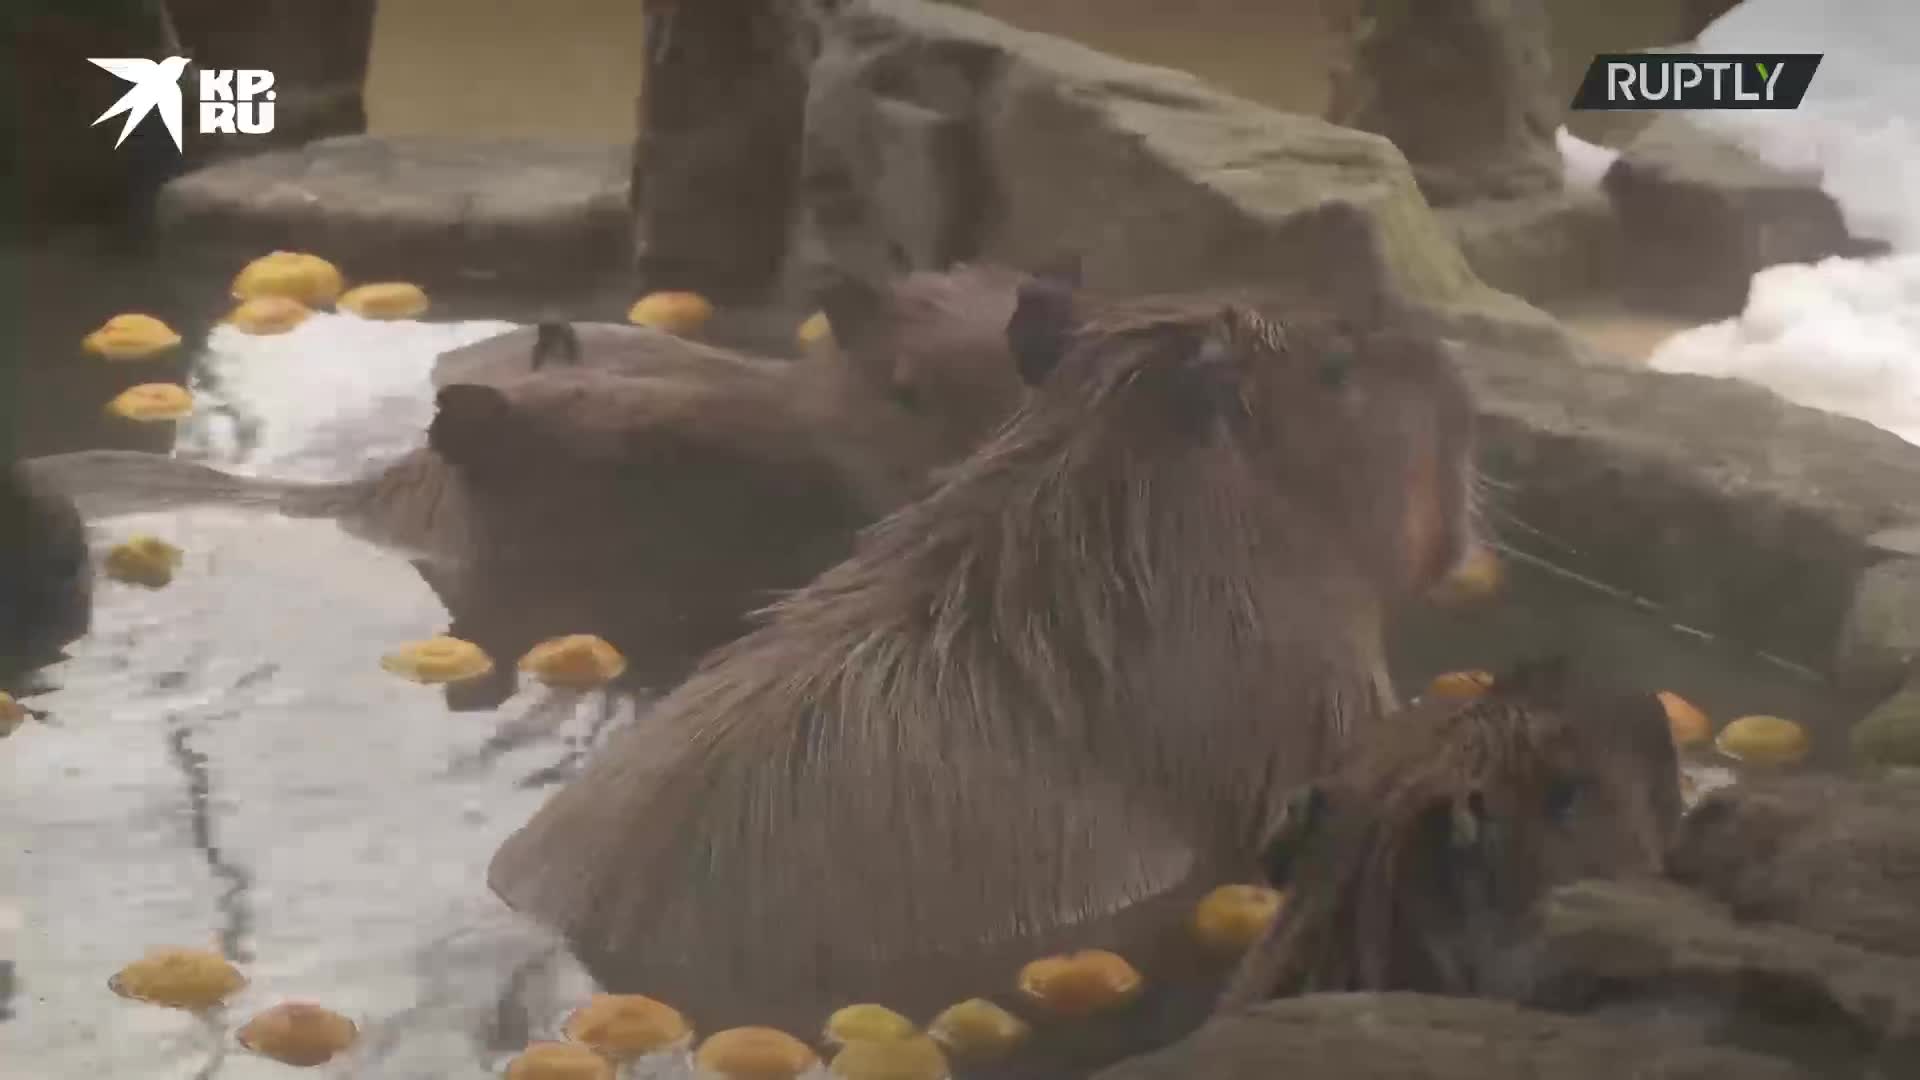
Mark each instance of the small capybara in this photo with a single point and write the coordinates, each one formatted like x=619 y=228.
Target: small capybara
x=1039 y=701
x=655 y=491
x=46 y=577
x=1414 y=864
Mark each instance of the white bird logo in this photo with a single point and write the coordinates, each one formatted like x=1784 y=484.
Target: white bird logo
x=154 y=86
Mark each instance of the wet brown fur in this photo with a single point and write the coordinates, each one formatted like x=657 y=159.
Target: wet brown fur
x=1033 y=705
x=1412 y=867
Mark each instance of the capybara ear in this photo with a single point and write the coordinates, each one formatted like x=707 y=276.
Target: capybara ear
x=467 y=421
x=1302 y=817
x=1040 y=328
x=1063 y=269
x=555 y=344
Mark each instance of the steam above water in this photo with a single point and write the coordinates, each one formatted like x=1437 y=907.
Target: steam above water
x=1843 y=335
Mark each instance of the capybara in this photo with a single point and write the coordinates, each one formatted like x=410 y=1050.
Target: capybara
x=1414 y=864
x=1041 y=700
x=621 y=481
x=46 y=577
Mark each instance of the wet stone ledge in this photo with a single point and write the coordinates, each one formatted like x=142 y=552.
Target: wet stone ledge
x=446 y=213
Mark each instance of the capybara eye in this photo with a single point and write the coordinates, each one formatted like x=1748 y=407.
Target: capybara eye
x=1562 y=796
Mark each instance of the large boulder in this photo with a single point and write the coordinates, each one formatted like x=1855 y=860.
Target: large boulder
x=1837 y=856
x=518 y=213
x=1464 y=89
x=1700 y=215
x=1650 y=949
x=936 y=134
x=1712 y=503
x=1415 y=1037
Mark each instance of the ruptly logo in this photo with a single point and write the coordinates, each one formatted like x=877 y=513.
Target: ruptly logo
x=1697 y=81
x=232 y=100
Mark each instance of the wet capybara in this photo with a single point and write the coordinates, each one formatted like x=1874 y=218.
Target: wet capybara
x=1034 y=704
x=621 y=481
x=46 y=577
x=1413 y=865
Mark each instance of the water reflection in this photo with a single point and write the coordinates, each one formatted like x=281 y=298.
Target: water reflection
x=226 y=764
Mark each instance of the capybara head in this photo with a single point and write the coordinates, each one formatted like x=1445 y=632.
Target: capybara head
x=1414 y=864
x=46 y=578
x=1040 y=700
x=932 y=347
x=1367 y=430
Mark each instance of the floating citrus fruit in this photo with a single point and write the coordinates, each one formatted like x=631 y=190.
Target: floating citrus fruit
x=577 y=661
x=1459 y=685
x=12 y=714
x=191 y=979
x=868 y=1022
x=298 y=1033
x=753 y=1053
x=1232 y=917
x=1763 y=740
x=440 y=659
x=559 y=1061
x=152 y=403
x=909 y=1057
x=268 y=315
x=674 y=312
x=131 y=337
x=1478 y=577
x=626 y=1026
x=815 y=329
x=385 y=300
x=1081 y=983
x=977 y=1030
x=295 y=275
x=143 y=560
x=1689 y=725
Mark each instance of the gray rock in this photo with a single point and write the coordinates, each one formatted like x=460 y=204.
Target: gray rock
x=1722 y=505
x=1881 y=637
x=719 y=144
x=54 y=95
x=1158 y=181
x=1413 y=1037
x=1660 y=954
x=318 y=56
x=1540 y=247
x=1889 y=736
x=1701 y=215
x=1837 y=856
x=430 y=210
x=1464 y=89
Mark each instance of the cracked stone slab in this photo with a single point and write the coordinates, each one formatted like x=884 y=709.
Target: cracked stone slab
x=438 y=211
